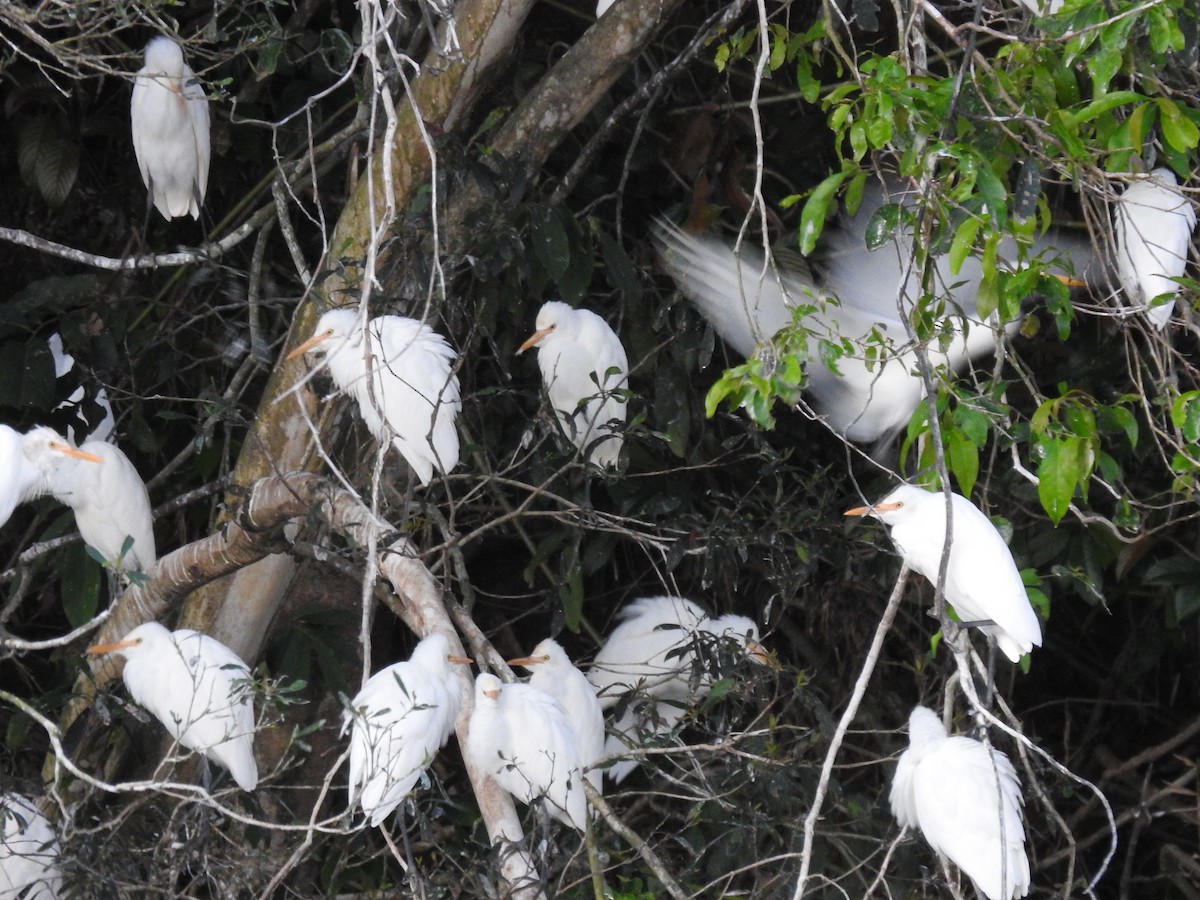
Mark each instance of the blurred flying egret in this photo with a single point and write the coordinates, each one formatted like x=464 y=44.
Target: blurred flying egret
x=198 y=688
x=28 y=851
x=169 y=116
x=584 y=369
x=1153 y=222
x=876 y=388
x=553 y=672
x=20 y=479
x=982 y=581
x=665 y=649
x=947 y=787
x=520 y=735
x=398 y=721
x=412 y=395
x=64 y=364
x=103 y=489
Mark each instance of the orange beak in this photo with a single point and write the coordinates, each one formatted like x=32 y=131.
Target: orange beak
x=102 y=649
x=870 y=510
x=461 y=660
x=309 y=344
x=68 y=450
x=528 y=661
x=534 y=339
x=1071 y=282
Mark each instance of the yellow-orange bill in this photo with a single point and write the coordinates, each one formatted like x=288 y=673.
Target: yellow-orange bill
x=68 y=450
x=534 y=338
x=528 y=660
x=867 y=510
x=101 y=649
x=308 y=345
x=461 y=660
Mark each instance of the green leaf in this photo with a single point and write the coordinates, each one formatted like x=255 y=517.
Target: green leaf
x=963 y=458
x=816 y=211
x=1177 y=129
x=79 y=584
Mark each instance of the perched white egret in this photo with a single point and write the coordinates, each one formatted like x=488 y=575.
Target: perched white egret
x=520 y=735
x=584 y=368
x=64 y=364
x=982 y=581
x=553 y=672
x=28 y=851
x=412 y=396
x=20 y=480
x=103 y=489
x=198 y=688
x=169 y=116
x=1153 y=223
x=875 y=388
x=663 y=649
x=947 y=787
x=399 y=720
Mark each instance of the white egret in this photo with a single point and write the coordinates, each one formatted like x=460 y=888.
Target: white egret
x=198 y=688
x=584 y=369
x=875 y=388
x=64 y=364
x=103 y=489
x=982 y=581
x=520 y=735
x=947 y=787
x=553 y=672
x=412 y=396
x=399 y=720
x=28 y=851
x=663 y=649
x=20 y=481
x=169 y=117
x=1153 y=222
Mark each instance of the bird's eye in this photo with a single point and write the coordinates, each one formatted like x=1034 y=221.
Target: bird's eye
x=328 y=332
x=899 y=505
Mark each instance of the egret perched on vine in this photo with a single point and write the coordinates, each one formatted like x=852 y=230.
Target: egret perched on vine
x=103 y=489
x=553 y=672
x=982 y=581
x=520 y=736
x=29 y=851
x=584 y=369
x=20 y=480
x=1154 y=223
x=665 y=650
x=169 y=117
x=397 y=722
x=947 y=787
x=198 y=688
x=411 y=397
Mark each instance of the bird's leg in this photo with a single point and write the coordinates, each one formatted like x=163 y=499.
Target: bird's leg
x=146 y=219
x=991 y=672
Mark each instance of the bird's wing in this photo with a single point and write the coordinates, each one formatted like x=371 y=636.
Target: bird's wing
x=638 y=651
x=961 y=813
x=119 y=507
x=545 y=755
x=197 y=113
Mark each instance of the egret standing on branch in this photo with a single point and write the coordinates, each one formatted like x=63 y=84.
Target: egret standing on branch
x=520 y=735
x=554 y=673
x=103 y=489
x=169 y=116
x=982 y=581
x=1154 y=223
x=412 y=396
x=198 y=688
x=664 y=648
x=584 y=369
x=20 y=480
x=399 y=720
x=28 y=851
x=947 y=787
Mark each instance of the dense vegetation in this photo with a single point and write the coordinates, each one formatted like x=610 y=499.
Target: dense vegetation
x=541 y=179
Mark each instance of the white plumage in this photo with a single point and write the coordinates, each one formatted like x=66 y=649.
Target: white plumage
x=64 y=364
x=399 y=720
x=659 y=650
x=602 y=7
x=1153 y=223
x=197 y=688
x=520 y=735
x=169 y=118
x=947 y=787
x=29 y=851
x=553 y=672
x=412 y=397
x=982 y=581
x=22 y=480
x=875 y=389
x=584 y=369
x=103 y=489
